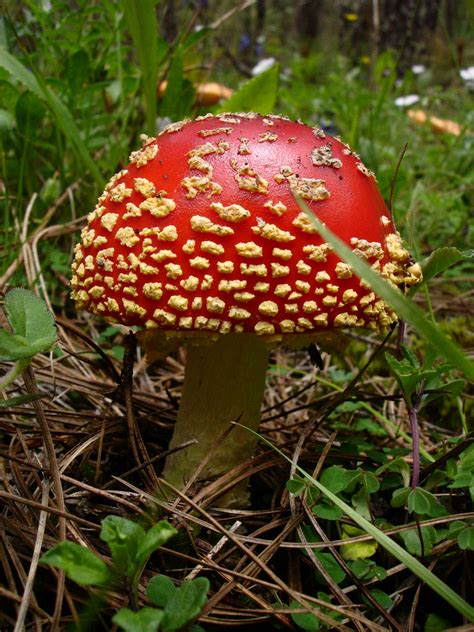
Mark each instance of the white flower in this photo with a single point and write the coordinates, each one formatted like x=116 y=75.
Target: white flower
x=262 y=65
x=418 y=69
x=467 y=74
x=406 y=100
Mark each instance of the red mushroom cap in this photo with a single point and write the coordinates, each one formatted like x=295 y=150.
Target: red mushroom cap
x=201 y=232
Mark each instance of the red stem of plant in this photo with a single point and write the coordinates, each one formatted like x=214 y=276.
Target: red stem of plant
x=415 y=435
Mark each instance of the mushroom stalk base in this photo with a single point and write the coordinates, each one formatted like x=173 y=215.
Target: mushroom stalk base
x=224 y=382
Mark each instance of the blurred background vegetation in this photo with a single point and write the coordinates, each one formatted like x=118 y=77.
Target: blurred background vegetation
x=80 y=80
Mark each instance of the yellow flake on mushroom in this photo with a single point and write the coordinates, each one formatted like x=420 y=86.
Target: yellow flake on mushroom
x=284 y=254
x=217 y=130
x=322 y=157
x=108 y=221
x=249 y=249
x=190 y=284
x=185 y=322
x=230 y=213
x=279 y=270
x=198 y=163
x=272 y=232
x=248 y=269
x=238 y=313
x=282 y=289
x=189 y=246
x=144 y=186
x=260 y=286
x=130 y=289
x=302 y=286
x=207 y=282
x=263 y=328
x=129 y=277
x=197 y=302
x=133 y=308
x=200 y=184
x=311 y=189
x=278 y=209
x=209 y=148
x=161 y=255
x=287 y=326
x=201 y=263
x=96 y=291
x=343 y=270
x=153 y=290
x=164 y=317
x=212 y=248
x=158 y=206
x=349 y=296
x=126 y=236
x=120 y=192
x=112 y=305
x=321 y=320
x=302 y=222
x=291 y=308
x=303 y=268
x=267 y=137
x=132 y=210
x=215 y=305
x=202 y=224
x=225 y=267
x=173 y=270
x=243 y=297
x=168 y=233
x=310 y=306
x=329 y=301
x=231 y=285
x=142 y=156
x=322 y=276
x=334 y=289
x=178 y=302
x=345 y=320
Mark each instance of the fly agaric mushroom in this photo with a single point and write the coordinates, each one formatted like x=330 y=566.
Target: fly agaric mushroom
x=200 y=240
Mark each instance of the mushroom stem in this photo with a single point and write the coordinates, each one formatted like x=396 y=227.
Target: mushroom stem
x=224 y=382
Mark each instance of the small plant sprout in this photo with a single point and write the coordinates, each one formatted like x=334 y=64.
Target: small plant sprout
x=130 y=547
x=32 y=331
x=200 y=241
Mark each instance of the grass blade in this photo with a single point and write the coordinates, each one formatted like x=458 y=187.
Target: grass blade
x=143 y=25
x=403 y=306
x=63 y=116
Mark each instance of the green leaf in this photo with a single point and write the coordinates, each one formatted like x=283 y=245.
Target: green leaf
x=435 y=623
x=143 y=25
x=185 y=604
x=160 y=589
x=258 y=94
x=382 y=598
x=145 y=620
x=466 y=539
x=13 y=347
x=21 y=399
x=356 y=550
x=403 y=306
x=400 y=466
x=441 y=259
x=155 y=537
x=331 y=565
x=327 y=511
x=367 y=569
x=337 y=478
x=296 y=485
x=79 y=564
x=400 y=497
x=305 y=621
x=63 y=116
x=29 y=317
x=123 y=538
x=411 y=538
x=422 y=502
